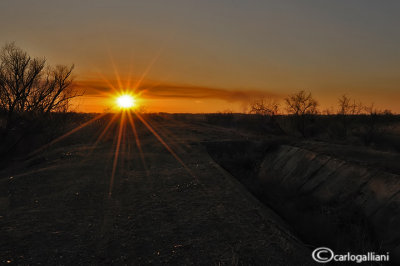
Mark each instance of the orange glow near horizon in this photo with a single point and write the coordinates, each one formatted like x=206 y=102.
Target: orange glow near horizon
x=124 y=90
x=151 y=96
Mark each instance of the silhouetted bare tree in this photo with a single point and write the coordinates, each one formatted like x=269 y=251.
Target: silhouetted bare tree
x=19 y=73
x=264 y=106
x=347 y=107
x=301 y=105
x=54 y=92
x=27 y=85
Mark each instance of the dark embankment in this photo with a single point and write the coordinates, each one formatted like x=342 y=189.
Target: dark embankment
x=327 y=201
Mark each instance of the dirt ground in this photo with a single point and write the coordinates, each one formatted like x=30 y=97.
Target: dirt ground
x=55 y=208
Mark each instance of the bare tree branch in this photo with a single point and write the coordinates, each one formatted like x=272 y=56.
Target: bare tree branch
x=27 y=86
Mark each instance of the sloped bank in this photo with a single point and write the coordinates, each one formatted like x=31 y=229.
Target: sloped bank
x=327 y=201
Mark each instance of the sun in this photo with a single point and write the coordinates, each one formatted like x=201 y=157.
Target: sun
x=126 y=101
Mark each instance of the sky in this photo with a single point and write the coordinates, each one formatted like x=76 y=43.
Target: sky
x=213 y=56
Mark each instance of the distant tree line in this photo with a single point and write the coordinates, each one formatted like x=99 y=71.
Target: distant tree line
x=302 y=103
x=302 y=108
